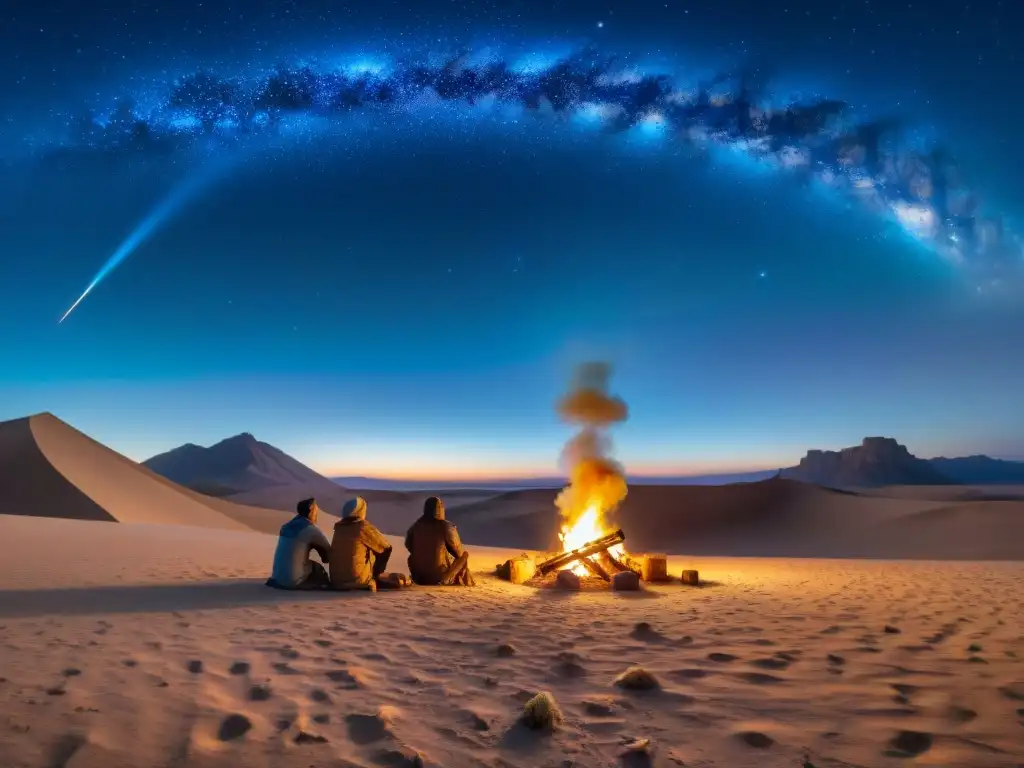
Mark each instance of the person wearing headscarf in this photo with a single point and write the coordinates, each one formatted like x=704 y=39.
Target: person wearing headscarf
x=359 y=552
x=299 y=538
x=436 y=555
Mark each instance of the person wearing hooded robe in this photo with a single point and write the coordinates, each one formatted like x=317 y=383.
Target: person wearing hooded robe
x=359 y=552
x=436 y=555
x=299 y=538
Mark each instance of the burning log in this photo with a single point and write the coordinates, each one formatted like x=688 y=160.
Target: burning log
x=585 y=551
x=612 y=565
x=595 y=569
x=692 y=578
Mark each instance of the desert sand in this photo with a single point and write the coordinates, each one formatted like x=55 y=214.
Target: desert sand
x=158 y=645
x=151 y=641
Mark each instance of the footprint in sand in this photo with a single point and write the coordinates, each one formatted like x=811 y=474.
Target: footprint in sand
x=234 y=727
x=722 y=658
x=259 y=693
x=759 y=678
x=570 y=664
x=1013 y=691
x=344 y=679
x=910 y=744
x=755 y=739
x=320 y=696
x=771 y=663
x=689 y=674
x=962 y=714
x=65 y=748
x=366 y=729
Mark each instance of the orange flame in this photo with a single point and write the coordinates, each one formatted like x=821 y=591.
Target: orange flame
x=597 y=483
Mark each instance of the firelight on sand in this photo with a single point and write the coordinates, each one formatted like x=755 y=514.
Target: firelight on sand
x=597 y=483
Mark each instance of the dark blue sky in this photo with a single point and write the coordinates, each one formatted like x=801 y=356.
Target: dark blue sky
x=407 y=294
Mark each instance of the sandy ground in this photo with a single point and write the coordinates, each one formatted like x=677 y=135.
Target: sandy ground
x=139 y=645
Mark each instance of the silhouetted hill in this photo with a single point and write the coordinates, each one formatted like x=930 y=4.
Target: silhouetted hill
x=239 y=464
x=877 y=461
x=980 y=470
x=777 y=517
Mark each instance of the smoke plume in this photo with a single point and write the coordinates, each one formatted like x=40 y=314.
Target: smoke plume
x=595 y=478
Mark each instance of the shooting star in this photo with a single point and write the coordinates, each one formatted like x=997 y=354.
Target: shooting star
x=172 y=204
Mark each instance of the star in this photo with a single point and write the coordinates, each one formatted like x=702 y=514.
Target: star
x=600 y=25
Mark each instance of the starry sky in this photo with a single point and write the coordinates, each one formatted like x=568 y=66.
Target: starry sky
x=381 y=237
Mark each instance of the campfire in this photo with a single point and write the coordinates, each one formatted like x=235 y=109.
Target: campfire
x=591 y=545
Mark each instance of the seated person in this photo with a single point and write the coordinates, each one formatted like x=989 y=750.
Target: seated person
x=436 y=555
x=359 y=552
x=293 y=568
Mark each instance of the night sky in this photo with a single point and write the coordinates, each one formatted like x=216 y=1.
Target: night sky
x=381 y=239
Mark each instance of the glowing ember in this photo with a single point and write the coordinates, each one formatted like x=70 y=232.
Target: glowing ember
x=597 y=483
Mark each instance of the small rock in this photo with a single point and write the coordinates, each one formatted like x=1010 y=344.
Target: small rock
x=890 y=630
x=239 y=668
x=541 y=713
x=625 y=581
x=974 y=648
x=637 y=679
x=637 y=752
x=195 y=667
x=505 y=650
x=598 y=708
x=567 y=580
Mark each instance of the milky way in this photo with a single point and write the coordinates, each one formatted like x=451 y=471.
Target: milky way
x=819 y=140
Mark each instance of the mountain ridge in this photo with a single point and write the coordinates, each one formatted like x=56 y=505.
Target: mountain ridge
x=244 y=466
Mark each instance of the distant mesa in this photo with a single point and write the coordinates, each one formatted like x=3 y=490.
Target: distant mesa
x=882 y=461
x=876 y=462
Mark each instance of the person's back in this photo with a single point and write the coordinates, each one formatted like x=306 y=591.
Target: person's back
x=292 y=568
x=359 y=552
x=433 y=544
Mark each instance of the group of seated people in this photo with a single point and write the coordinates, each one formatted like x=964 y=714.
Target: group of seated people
x=357 y=557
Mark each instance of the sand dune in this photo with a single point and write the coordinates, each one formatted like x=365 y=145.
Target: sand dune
x=115 y=652
x=50 y=469
x=771 y=518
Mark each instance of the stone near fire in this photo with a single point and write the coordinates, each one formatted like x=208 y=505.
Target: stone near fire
x=625 y=581
x=654 y=568
x=518 y=570
x=522 y=569
x=541 y=713
x=692 y=578
x=567 y=580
